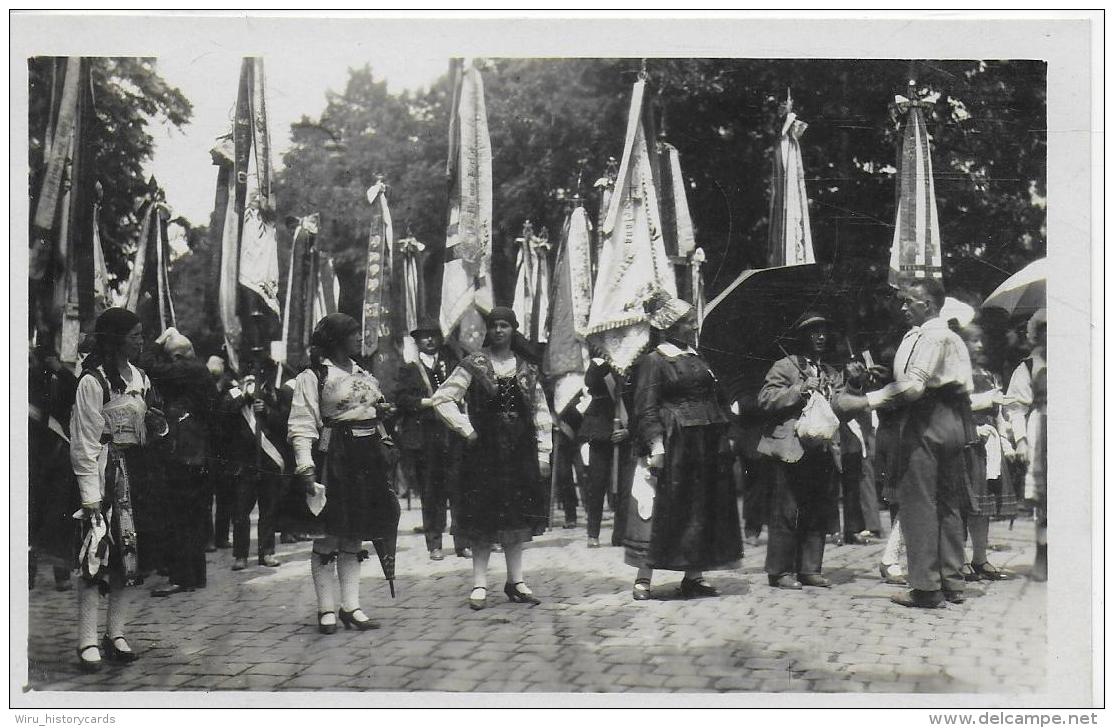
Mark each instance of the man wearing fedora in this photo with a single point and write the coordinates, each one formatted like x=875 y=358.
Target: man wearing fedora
x=802 y=474
x=430 y=451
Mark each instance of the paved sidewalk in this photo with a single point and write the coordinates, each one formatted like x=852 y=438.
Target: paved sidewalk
x=256 y=629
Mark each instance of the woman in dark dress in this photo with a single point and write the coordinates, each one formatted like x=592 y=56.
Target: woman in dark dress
x=335 y=429
x=683 y=517
x=508 y=429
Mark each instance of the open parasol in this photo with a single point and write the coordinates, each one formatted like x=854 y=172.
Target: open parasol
x=746 y=325
x=1023 y=293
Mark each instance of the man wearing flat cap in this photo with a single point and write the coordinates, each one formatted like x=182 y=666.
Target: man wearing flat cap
x=430 y=451
x=802 y=473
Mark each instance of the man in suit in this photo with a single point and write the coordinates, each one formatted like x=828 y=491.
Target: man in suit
x=802 y=474
x=430 y=452
x=605 y=429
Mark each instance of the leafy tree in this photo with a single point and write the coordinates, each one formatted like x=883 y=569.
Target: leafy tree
x=128 y=95
x=550 y=118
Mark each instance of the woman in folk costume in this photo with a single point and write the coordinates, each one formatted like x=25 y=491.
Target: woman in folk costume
x=683 y=517
x=335 y=428
x=803 y=480
x=508 y=428
x=1027 y=411
x=110 y=420
x=993 y=495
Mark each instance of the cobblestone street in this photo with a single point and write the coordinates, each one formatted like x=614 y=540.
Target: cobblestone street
x=256 y=630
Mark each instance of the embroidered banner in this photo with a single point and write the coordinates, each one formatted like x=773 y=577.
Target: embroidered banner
x=789 y=241
x=916 y=251
x=377 y=279
x=466 y=287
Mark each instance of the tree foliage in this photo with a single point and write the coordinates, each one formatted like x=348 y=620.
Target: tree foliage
x=128 y=95
x=552 y=118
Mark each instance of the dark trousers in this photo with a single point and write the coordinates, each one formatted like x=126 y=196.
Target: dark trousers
x=434 y=470
x=756 y=494
x=253 y=486
x=188 y=500
x=932 y=526
x=567 y=463
x=601 y=458
x=860 y=501
x=224 y=494
x=800 y=505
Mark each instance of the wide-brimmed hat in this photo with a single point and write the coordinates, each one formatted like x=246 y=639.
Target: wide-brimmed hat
x=427 y=325
x=664 y=309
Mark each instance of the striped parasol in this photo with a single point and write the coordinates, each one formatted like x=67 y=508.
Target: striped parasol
x=916 y=251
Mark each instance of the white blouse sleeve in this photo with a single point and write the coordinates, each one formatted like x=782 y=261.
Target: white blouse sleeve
x=543 y=421
x=86 y=427
x=1020 y=392
x=447 y=398
x=304 y=423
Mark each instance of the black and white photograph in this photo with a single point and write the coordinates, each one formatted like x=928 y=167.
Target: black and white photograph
x=514 y=360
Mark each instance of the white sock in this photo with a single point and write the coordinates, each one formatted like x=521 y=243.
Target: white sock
x=87 y=605
x=348 y=571
x=324 y=585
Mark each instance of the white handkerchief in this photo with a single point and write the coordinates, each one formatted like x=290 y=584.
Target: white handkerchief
x=642 y=490
x=316 y=501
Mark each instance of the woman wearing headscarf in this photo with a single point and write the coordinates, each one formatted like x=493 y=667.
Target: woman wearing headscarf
x=508 y=429
x=110 y=420
x=1028 y=395
x=684 y=516
x=803 y=473
x=335 y=427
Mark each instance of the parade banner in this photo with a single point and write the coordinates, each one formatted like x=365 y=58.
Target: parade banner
x=249 y=305
x=311 y=293
x=410 y=253
x=466 y=286
x=566 y=355
x=680 y=238
x=149 y=282
x=377 y=278
x=633 y=261
x=916 y=251
x=532 y=282
x=62 y=263
x=789 y=240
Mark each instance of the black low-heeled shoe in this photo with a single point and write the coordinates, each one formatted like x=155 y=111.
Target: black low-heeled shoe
x=326 y=628
x=513 y=593
x=348 y=619
x=697 y=588
x=88 y=665
x=641 y=590
x=114 y=654
x=477 y=603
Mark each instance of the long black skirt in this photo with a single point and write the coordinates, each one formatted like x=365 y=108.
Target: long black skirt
x=359 y=502
x=501 y=494
x=695 y=520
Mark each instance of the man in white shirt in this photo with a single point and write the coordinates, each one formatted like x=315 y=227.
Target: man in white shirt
x=934 y=462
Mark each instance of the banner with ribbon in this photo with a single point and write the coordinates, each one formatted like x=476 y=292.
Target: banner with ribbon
x=531 y=289
x=916 y=251
x=377 y=278
x=410 y=255
x=789 y=240
x=148 y=293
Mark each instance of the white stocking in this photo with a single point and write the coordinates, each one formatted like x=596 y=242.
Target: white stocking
x=348 y=570
x=87 y=604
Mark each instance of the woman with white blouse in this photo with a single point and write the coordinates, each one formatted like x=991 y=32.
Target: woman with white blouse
x=508 y=429
x=109 y=421
x=335 y=428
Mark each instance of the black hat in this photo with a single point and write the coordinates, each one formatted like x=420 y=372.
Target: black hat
x=427 y=325
x=810 y=319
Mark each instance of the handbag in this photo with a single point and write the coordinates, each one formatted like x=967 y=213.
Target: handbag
x=818 y=424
